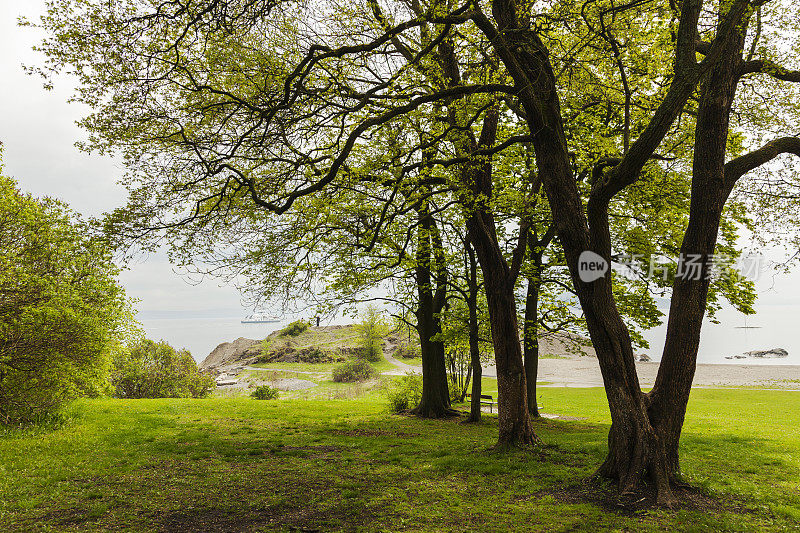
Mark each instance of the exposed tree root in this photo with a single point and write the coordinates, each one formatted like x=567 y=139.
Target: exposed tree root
x=635 y=459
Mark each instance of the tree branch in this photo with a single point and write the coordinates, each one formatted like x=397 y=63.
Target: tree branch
x=764 y=66
x=738 y=167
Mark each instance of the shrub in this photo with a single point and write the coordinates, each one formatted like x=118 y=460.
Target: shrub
x=404 y=393
x=264 y=392
x=294 y=329
x=409 y=351
x=151 y=369
x=371 y=331
x=62 y=310
x=352 y=371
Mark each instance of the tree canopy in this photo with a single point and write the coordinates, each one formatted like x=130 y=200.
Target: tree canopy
x=63 y=313
x=374 y=118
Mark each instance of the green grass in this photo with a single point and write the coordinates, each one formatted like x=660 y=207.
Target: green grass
x=381 y=366
x=241 y=464
x=346 y=336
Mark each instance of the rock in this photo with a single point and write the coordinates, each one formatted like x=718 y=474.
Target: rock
x=230 y=352
x=642 y=357
x=761 y=354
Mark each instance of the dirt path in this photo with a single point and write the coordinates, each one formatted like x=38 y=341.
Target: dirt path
x=402 y=368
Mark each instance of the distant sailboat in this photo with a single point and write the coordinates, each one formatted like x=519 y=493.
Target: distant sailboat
x=258 y=318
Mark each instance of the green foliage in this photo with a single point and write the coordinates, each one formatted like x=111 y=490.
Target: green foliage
x=294 y=329
x=354 y=370
x=62 y=310
x=371 y=331
x=404 y=393
x=409 y=351
x=150 y=369
x=264 y=392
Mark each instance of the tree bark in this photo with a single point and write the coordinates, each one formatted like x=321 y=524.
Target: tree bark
x=435 y=399
x=474 y=332
x=710 y=190
x=499 y=280
x=531 y=339
x=514 y=422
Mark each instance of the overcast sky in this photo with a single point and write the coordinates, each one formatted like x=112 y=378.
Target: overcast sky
x=38 y=130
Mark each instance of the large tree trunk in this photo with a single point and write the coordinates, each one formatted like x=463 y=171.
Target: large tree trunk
x=635 y=450
x=710 y=191
x=514 y=422
x=499 y=279
x=530 y=337
x=435 y=400
x=637 y=444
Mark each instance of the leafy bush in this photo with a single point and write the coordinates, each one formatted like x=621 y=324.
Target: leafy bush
x=371 y=331
x=352 y=371
x=264 y=392
x=62 y=310
x=409 y=351
x=404 y=393
x=294 y=329
x=151 y=369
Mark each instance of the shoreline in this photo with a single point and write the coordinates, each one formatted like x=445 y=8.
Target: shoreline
x=585 y=372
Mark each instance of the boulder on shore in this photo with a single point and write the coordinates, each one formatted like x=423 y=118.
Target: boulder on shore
x=761 y=354
x=230 y=352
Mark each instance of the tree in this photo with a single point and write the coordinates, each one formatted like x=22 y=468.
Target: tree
x=638 y=443
x=293 y=114
x=62 y=312
x=150 y=369
x=371 y=331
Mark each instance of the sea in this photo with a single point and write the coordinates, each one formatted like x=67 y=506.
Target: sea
x=200 y=335
x=773 y=326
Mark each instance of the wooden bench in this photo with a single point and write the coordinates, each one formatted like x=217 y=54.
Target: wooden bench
x=485 y=399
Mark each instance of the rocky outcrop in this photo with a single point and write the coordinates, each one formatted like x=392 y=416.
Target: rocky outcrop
x=761 y=354
x=642 y=358
x=231 y=352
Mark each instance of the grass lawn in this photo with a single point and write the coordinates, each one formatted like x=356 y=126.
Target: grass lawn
x=245 y=465
x=381 y=365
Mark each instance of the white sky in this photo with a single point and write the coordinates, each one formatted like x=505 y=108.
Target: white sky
x=38 y=130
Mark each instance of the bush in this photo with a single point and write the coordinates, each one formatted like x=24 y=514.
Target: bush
x=409 y=351
x=294 y=329
x=371 y=331
x=151 y=369
x=404 y=393
x=62 y=310
x=264 y=392
x=352 y=371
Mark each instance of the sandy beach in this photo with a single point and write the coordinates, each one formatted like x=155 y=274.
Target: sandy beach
x=579 y=368
x=585 y=372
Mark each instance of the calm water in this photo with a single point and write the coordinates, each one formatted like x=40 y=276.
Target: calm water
x=779 y=328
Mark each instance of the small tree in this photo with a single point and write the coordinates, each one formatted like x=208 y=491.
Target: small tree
x=62 y=310
x=264 y=392
x=150 y=369
x=371 y=331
